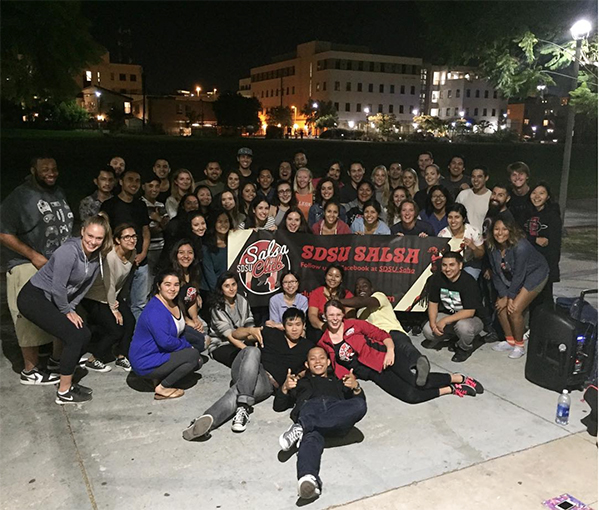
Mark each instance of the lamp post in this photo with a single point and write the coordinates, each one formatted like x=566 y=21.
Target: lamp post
x=579 y=31
x=367 y=111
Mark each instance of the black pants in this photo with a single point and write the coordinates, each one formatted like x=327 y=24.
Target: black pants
x=106 y=330
x=43 y=313
x=180 y=364
x=225 y=354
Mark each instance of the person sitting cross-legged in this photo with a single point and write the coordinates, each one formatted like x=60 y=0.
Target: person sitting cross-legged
x=256 y=373
x=324 y=406
x=454 y=300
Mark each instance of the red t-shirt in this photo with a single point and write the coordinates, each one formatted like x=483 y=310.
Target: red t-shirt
x=342 y=228
x=305 y=200
x=317 y=299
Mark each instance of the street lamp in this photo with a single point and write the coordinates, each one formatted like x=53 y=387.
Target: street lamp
x=198 y=89
x=462 y=114
x=367 y=110
x=315 y=105
x=415 y=112
x=579 y=31
x=533 y=130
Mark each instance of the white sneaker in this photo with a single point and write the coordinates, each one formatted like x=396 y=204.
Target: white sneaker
x=503 y=346
x=517 y=352
x=292 y=436
x=308 y=487
x=526 y=335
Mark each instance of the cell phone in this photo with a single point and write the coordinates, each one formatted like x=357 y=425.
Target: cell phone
x=565 y=505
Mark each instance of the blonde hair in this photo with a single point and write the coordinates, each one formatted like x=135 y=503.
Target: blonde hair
x=415 y=187
x=174 y=189
x=386 y=183
x=100 y=219
x=311 y=188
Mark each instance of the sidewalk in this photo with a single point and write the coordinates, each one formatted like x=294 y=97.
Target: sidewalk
x=124 y=450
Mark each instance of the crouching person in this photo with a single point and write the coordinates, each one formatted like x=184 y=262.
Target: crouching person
x=324 y=406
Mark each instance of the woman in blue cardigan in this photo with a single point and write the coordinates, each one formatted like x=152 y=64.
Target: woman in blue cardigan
x=159 y=351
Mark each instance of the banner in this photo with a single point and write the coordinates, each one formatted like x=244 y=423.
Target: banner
x=397 y=266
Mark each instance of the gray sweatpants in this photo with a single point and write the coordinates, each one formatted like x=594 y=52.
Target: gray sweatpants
x=466 y=330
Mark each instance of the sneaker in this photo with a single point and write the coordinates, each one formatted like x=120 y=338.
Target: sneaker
x=38 y=378
x=240 y=420
x=83 y=360
x=503 y=346
x=308 y=487
x=517 y=352
x=124 y=364
x=291 y=436
x=198 y=428
x=83 y=389
x=461 y=390
x=491 y=337
x=416 y=330
x=473 y=383
x=460 y=355
x=53 y=365
x=97 y=366
x=423 y=367
x=74 y=396
x=526 y=335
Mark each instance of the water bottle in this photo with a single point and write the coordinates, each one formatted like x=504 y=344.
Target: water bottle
x=562 y=409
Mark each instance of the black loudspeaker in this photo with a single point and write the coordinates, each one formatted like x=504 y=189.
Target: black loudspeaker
x=562 y=345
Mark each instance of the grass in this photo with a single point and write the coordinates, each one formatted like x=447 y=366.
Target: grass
x=582 y=242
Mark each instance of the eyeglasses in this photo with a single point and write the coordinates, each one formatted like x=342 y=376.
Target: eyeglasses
x=290 y=282
x=129 y=238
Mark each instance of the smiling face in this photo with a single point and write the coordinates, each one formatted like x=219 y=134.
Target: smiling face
x=500 y=232
x=408 y=179
x=285 y=171
x=327 y=190
x=539 y=196
x=518 y=179
x=432 y=176
x=261 y=211
x=379 y=178
x=300 y=160
x=130 y=184
x=169 y=288
x=229 y=289
x=302 y=179
x=284 y=193
x=499 y=197
x=335 y=317
x=478 y=180
x=45 y=172
x=213 y=171
x=161 y=168
x=249 y=192
x=455 y=221
x=451 y=268
x=227 y=200
x=364 y=193
x=151 y=190
x=371 y=216
x=456 y=167
x=289 y=284
x=438 y=200
x=198 y=225
x=185 y=256
x=317 y=362
x=331 y=215
x=118 y=165
x=204 y=197
x=395 y=171
x=265 y=179
x=92 y=237
x=399 y=195
x=356 y=172
x=333 y=278
x=222 y=225
x=408 y=213
x=363 y=287
x=127 y=240
x=334 y=172
x=244 y=161
x=183 y=182
x=292 y=221
x=233 y=181
x=191 y=204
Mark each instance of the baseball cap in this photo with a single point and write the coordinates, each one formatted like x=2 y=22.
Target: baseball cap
x=245 y=151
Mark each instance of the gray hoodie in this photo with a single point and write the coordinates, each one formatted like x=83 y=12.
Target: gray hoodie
x=68 y=275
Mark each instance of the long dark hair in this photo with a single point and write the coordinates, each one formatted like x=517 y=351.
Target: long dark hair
x=181 y=205
x=196 y=241
x=159 y=278
x=392 y=210
x=341 y=292
x=336 y=191
x=234 y=214
x=217 y=297
x=193 y=270
x=447 y=194
x=251 y=219
x=293 y=200
x=303 y=228
x=210 y=238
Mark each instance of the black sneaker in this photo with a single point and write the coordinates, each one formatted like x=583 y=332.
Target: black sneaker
x=491 y=337
x=97 y=366
x=460 y=355
x=36 y=377
x=74 y=396
x=416 y=330
x=469 y=381
x=423 y=367
x=123 y=363
x=198 y=428
x=461 y=390
x=83 y=389
x=293 y=435
x=240 y=420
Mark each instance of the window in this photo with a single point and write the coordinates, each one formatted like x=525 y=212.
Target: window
x=337 y=64
x=336 y=106
x=324 y=86
x=467 y=112
x=457 y=92
x=360 y=65
x=391 y=108
x=392 y=89
x=411 y=108
x=277 y=92
x=468 y=92
x=318 y=86
x=485 y=112
x=127 y=107
x=287 y=91
x=526 y=122
x=348 y=86
x=412 y=89
x=449 y=94
x=272 y=95
x=370 y=86
x=179 y=109
x=486 y=94
x=435 y=96
x=401 y=109
x=545 y=122
x=495 y=94
x=402 y=89
x=88 y=76
x=98 y=76
x=294 y=90
x=371 y=108
x=336 y=85
x=441 y=94
x=434 y=112
x=477 y=93
x=347 y=107
x=380 y=109
x=476 y=112
x=381 y=88
x=493 y=112
x=358 y=107
x=132 y=77
x=372 y=69
x=447 y=112
x=122 y=77
x=359 y=87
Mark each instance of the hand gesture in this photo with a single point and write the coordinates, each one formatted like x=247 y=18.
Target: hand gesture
x=349 y=380
x=139 y=258
x=291 y=381
x=257 y=334
x=75 y=319
x=468 y=242
x=400 y=234
x=511 y=306
x=501 y=303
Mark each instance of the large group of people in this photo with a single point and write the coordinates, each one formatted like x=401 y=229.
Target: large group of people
x=147 y=286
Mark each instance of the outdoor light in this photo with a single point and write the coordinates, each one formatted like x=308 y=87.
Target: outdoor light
x=315 y=105
x=462 y=113
x=366 y=110
x=505 y=115
x=351 y=124
x=453 y=124
x=98 y=93
x=581 y=29
x=534 y=128
x=372 y=124
x=100 y=117
x=468 y=124
x=198 y=89
x=295 y=126
x=541 y=87
x=415 y=112
x=278 y=125
x=415 y=125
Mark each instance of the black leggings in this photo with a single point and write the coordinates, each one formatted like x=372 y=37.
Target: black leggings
x=180 y=364
x=33 y=305
x=399 y=380
x=225 y=354
x=104 y=326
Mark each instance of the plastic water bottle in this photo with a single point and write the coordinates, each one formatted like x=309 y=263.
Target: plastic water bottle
x=563 y=407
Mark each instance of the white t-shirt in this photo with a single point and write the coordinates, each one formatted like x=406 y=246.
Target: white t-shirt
x=456 y=243
x=477 y=206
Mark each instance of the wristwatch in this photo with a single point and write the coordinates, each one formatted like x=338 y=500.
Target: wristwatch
x=357 y=389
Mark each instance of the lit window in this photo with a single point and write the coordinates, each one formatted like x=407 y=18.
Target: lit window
x=88 y=76
x=526 y=121
x=98 y=75
x=545 y=123
x=434 y=112
x=449 y=94
x=436 y=78
x=435 y=96
x=127 y=107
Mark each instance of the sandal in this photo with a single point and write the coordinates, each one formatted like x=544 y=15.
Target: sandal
x=176 y=393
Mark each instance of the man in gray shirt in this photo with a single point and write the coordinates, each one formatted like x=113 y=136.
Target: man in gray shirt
x=35 y=220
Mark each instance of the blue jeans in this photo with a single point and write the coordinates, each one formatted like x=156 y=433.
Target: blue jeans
x=322 y=417
x=251 y=385
x=138 y=295
x=195 y=338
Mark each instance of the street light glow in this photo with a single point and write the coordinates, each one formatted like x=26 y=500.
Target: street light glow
x=98 y=93
x=534 y=128
x=315 y=105
x=351 y=124
x=581 y=29
x=366 y=110
x=541 y=87
x=462 y=113
x=415 y=112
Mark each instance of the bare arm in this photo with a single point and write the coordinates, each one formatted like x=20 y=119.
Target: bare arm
x=360 y=302
x=16 y=245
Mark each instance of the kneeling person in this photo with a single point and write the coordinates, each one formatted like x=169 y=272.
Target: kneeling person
x=324 y=406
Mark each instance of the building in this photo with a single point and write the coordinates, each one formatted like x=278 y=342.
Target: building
x=459 y=92
x=122 y=78
x=539 y=118
x=356 y=81
x=99 y=102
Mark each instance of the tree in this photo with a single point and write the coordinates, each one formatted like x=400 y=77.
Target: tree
x=280 y=115
x=322 y=109
x=44 y=46
x=69 y=114
x=326 y=121
x=235 y=111
x=433 y=125
x=385 y=123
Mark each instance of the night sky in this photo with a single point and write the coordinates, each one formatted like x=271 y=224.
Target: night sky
x=215 y=43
